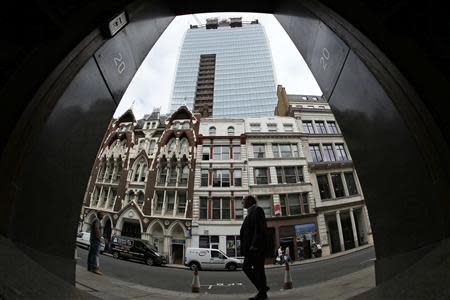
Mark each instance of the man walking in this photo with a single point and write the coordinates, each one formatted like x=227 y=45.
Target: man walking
x=94 y=248
x=253 y=246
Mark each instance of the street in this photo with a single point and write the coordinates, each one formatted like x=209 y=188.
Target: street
x=225 y=282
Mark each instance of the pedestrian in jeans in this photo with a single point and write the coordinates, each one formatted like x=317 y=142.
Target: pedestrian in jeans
x=253 y=246
x=94 y=248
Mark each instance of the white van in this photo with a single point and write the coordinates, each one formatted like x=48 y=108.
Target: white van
x=83 y=240
x=210 y=259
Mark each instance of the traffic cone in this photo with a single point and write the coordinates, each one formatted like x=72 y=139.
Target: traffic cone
x=195 y=282
x=287 y=278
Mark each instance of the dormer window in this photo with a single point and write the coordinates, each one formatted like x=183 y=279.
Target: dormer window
x=212 y=130
x=231 y=130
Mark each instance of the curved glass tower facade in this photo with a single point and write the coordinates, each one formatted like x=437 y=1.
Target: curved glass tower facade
x=228 y=70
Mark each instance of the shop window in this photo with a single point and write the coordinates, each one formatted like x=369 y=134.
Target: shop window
x=233 y=246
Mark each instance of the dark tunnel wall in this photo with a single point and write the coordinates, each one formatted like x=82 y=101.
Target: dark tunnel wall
x=49 y=186
x=399 y=162
x=49 y=154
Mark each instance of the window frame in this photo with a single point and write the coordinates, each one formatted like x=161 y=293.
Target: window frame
x=339 y=152
x=308 y=127
x=320 y=127
x=322 y=191
x=263 y=152
x=315 y=148
x=267 y=169
x=328 y=152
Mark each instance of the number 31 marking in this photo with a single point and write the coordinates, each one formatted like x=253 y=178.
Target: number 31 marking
x=324 y=58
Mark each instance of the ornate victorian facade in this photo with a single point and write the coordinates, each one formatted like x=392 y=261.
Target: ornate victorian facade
x=143 y=180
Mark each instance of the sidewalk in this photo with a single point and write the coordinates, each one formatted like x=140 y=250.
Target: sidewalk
x=344 y=287
x=307 y=261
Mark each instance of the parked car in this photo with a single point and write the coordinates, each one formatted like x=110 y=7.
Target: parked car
x=132 y=248
x=213 y=259
x=83 y=241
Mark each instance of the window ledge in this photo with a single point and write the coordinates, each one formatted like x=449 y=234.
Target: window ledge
x=324 y=165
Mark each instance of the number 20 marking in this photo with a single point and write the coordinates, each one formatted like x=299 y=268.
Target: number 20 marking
x=120 y=64
x=324 y=58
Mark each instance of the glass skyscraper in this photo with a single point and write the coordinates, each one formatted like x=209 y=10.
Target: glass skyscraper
x=225 y=69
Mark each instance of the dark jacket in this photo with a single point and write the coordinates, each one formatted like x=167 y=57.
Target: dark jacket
x=254 y=231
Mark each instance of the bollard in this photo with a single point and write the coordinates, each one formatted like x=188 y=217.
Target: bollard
x=195 y=282
x=287 y=278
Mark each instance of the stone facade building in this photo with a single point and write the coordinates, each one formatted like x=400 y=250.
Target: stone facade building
x=143 y=180
x=342 y=217
x=178 y=180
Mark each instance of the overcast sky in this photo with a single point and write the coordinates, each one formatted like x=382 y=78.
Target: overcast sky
x=152 y=85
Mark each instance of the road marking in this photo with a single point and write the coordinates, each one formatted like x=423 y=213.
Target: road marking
x=366 y=261
x=222 y=284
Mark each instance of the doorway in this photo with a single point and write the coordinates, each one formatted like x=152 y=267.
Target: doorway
x=177 y=254
x=131 y=229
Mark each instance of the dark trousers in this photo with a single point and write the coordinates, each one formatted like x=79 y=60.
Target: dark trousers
x=93 y=256
x=253 y=267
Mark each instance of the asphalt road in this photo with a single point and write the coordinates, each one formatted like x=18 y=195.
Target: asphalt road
x=224 y=282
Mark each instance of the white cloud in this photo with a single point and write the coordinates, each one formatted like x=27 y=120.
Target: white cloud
x=152 y=85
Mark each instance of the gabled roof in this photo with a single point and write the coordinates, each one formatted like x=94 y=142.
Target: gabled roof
x=181 y=113
x=127 y=116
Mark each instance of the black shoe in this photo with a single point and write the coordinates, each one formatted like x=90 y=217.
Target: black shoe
x=259 y=296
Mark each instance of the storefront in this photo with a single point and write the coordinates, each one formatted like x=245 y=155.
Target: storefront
x=296 y=233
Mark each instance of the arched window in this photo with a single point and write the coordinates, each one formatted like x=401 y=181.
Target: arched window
x=141 y=144
x=143 y=173
x=172 y=145
x=162 y=171
x=118 y=168
x=184 y=145
x=140 y=199
x=109 y=169
x=184 y=172
x=231 y=130
x=131 y=197
x=173 y=171
x=136 y=172
x=151 y=147
x=102 y=169
x=212 y=130
x=95 y=196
